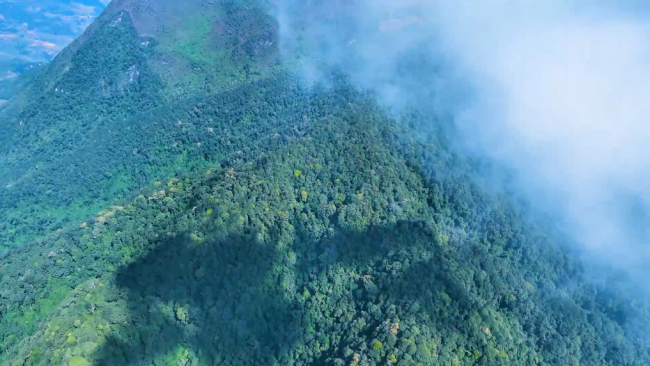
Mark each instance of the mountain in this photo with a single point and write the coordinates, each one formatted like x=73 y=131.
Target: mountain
x=171 y=193
x=57 y=124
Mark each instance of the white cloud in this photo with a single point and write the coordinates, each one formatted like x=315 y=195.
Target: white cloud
x=561 y=101
x=84 y=10
x=558 y=89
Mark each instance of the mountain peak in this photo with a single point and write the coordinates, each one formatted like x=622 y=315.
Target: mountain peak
x=154 y=18
x=203 y=43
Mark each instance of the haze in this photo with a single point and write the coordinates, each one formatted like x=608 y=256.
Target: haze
x=553 y=91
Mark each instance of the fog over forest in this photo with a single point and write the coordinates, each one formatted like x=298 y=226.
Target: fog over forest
x=552 y=93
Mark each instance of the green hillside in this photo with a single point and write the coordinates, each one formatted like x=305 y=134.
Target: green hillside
x=68 y=114
x=171 y=194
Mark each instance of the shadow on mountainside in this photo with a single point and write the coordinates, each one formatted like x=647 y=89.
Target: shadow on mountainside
x=235 y=300
x=208 y=298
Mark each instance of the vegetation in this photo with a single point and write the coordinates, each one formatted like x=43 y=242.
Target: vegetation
x=10 y=83
x=266 y=223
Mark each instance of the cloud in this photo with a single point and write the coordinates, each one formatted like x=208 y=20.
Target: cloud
x=553 y=91
x=560 y=94
x=84 y=10
x=9 y=75
x=76 y=23
x=44 y=44
x=8 y=36
x=377 y=42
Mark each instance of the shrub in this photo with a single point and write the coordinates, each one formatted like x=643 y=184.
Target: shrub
x=78 y=361
x=377 y=345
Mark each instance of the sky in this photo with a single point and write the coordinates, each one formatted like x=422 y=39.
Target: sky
x=553 y=92
x=36 y=30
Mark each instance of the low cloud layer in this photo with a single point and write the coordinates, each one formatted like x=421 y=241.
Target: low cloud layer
x=554 y=91
x=561 y=94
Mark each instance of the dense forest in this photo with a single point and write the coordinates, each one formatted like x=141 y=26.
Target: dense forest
x=221 y=212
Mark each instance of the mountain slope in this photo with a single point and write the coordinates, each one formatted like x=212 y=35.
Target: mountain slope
x=66 y=113
x=74 y=102
x=261 y=222
x=205 y=44
x=323 y=241
x=15 y=75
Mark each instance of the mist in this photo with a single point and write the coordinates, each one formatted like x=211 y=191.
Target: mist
x=555 y=92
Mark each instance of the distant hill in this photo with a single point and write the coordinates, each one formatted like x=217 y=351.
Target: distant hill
x=35 y=31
